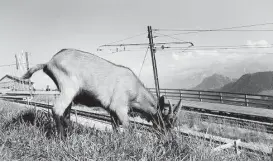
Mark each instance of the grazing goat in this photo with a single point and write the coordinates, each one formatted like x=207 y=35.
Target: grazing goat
x=84 y=78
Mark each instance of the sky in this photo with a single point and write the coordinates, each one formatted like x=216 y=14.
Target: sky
x=42 y=28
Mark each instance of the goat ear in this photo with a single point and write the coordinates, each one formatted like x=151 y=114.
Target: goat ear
x=170 y=107
x=177 y=107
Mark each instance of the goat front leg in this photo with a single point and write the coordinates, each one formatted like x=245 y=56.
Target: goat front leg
x=114 y=121
x=122 y=114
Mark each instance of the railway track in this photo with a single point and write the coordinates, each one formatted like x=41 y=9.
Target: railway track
x=235 y=122
x=96 y=116
x=250 y=147
x=207 y=117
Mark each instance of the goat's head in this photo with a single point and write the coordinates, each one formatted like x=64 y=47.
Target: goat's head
x=167 y=116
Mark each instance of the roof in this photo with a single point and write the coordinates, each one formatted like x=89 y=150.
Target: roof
x=26 y=81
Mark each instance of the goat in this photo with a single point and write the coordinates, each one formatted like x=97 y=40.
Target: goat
x=84 y=78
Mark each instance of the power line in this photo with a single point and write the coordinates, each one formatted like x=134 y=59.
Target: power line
x=143 y=62
x=212 y=30
x=209 y=30
x=11 y=65
x=130 y=37
x=143 y=44
x=225 y=52
x=169 y=37
x=124 y=47
x=252 y=46
x=7 y=65
x=217 y=48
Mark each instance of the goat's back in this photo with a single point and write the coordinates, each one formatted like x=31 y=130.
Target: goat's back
x=98 y=77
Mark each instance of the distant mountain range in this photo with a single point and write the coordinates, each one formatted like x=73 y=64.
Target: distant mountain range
x=191 y=78
x=213 y=82
x=184 y=82
x=260 y=82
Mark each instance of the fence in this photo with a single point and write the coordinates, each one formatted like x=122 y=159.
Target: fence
x=240 y=99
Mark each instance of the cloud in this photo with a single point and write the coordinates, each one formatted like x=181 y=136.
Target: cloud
x=175 y=56
x=260 y=43
x=172 y=66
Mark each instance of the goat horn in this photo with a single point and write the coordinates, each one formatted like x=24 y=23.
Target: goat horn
x=178 y=107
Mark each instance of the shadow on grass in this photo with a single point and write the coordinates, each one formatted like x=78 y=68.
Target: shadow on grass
x=43 y=121
x=40 y=119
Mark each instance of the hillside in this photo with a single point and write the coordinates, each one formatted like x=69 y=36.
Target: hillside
x=267 y=92
x=251 y=83
x=213 y=82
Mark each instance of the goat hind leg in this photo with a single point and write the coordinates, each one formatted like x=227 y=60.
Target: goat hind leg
x=62 y=104
x=66 y=118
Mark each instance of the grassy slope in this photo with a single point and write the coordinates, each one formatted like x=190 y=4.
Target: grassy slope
x=191 y=120
x=22 y=141
x=226 y=129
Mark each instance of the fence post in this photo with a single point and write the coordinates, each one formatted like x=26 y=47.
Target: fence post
x=221 y=97
x=180 y=94
x=246 y=102
x=236 y=146
x=200 y=96
x=271 y=156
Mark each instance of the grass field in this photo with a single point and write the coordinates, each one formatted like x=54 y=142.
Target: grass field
x=23 y=136
x=193 y=121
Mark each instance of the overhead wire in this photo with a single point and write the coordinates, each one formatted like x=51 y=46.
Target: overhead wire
x=212 y=30
x=130 y=37
x=217 y=48
x=143 y=62
x=208 y=30
x=191 y=44
x=223 y=52
x=7 y=65
x=191 y=47
x=244 y=45
x=168 y=36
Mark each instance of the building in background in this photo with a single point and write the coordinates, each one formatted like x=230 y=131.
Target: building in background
x=12 y=83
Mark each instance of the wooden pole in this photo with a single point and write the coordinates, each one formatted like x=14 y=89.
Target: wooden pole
x=221 y=97
x=151 y=43
x=29 y=81
x=200 y=98
x=246 y=102
x=271 y=155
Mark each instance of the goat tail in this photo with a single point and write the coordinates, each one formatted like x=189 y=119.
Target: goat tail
x=32 y=70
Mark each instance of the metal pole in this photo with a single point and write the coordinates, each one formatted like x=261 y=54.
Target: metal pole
x=27 y=61
x=151 y=43
x=29 y=81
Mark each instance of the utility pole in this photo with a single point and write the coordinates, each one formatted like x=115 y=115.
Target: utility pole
x=151 y=43
x=29 y=81
x=152 y=46
x=27 y=62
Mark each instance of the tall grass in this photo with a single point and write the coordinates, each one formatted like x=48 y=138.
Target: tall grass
x=256 y=134
x=25 y=137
